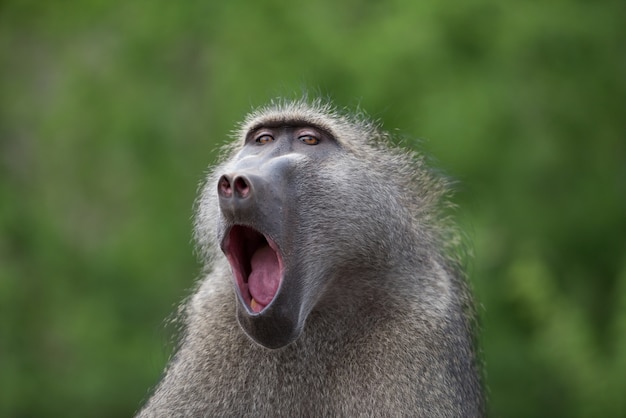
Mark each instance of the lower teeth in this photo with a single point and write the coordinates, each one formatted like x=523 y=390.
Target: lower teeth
x=255 y=305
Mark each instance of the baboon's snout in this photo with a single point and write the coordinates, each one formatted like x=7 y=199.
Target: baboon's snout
x=249 y=197
x=240 y=194
x=233 y=187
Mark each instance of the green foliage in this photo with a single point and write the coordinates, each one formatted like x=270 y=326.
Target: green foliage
x=110 y=113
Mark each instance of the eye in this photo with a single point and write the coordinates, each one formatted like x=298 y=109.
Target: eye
x=309 y=139
x=264 y=139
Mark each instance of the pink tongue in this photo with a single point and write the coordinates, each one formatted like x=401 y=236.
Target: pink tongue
x=265 y=276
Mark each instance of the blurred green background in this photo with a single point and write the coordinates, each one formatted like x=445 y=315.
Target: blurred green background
x=111 y=112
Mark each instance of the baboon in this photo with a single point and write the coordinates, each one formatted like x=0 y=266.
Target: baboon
x=331 y=285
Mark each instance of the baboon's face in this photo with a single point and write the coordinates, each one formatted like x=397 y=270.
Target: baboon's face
x=266 y=192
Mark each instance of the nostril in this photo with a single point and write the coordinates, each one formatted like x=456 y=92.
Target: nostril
x=224 y=188
x=242 y=188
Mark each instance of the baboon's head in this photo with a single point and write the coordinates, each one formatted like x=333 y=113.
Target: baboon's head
x=301 y=201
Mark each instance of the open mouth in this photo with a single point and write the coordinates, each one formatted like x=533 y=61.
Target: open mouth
x=256 y=264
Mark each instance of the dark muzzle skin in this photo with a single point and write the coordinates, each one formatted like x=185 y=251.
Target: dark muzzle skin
x=253 y=197
x=255 y=194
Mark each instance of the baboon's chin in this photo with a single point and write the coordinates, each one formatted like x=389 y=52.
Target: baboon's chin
x=273 y=328
x=257 y=267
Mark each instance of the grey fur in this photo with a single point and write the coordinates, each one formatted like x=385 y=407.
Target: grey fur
x=391 y=334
